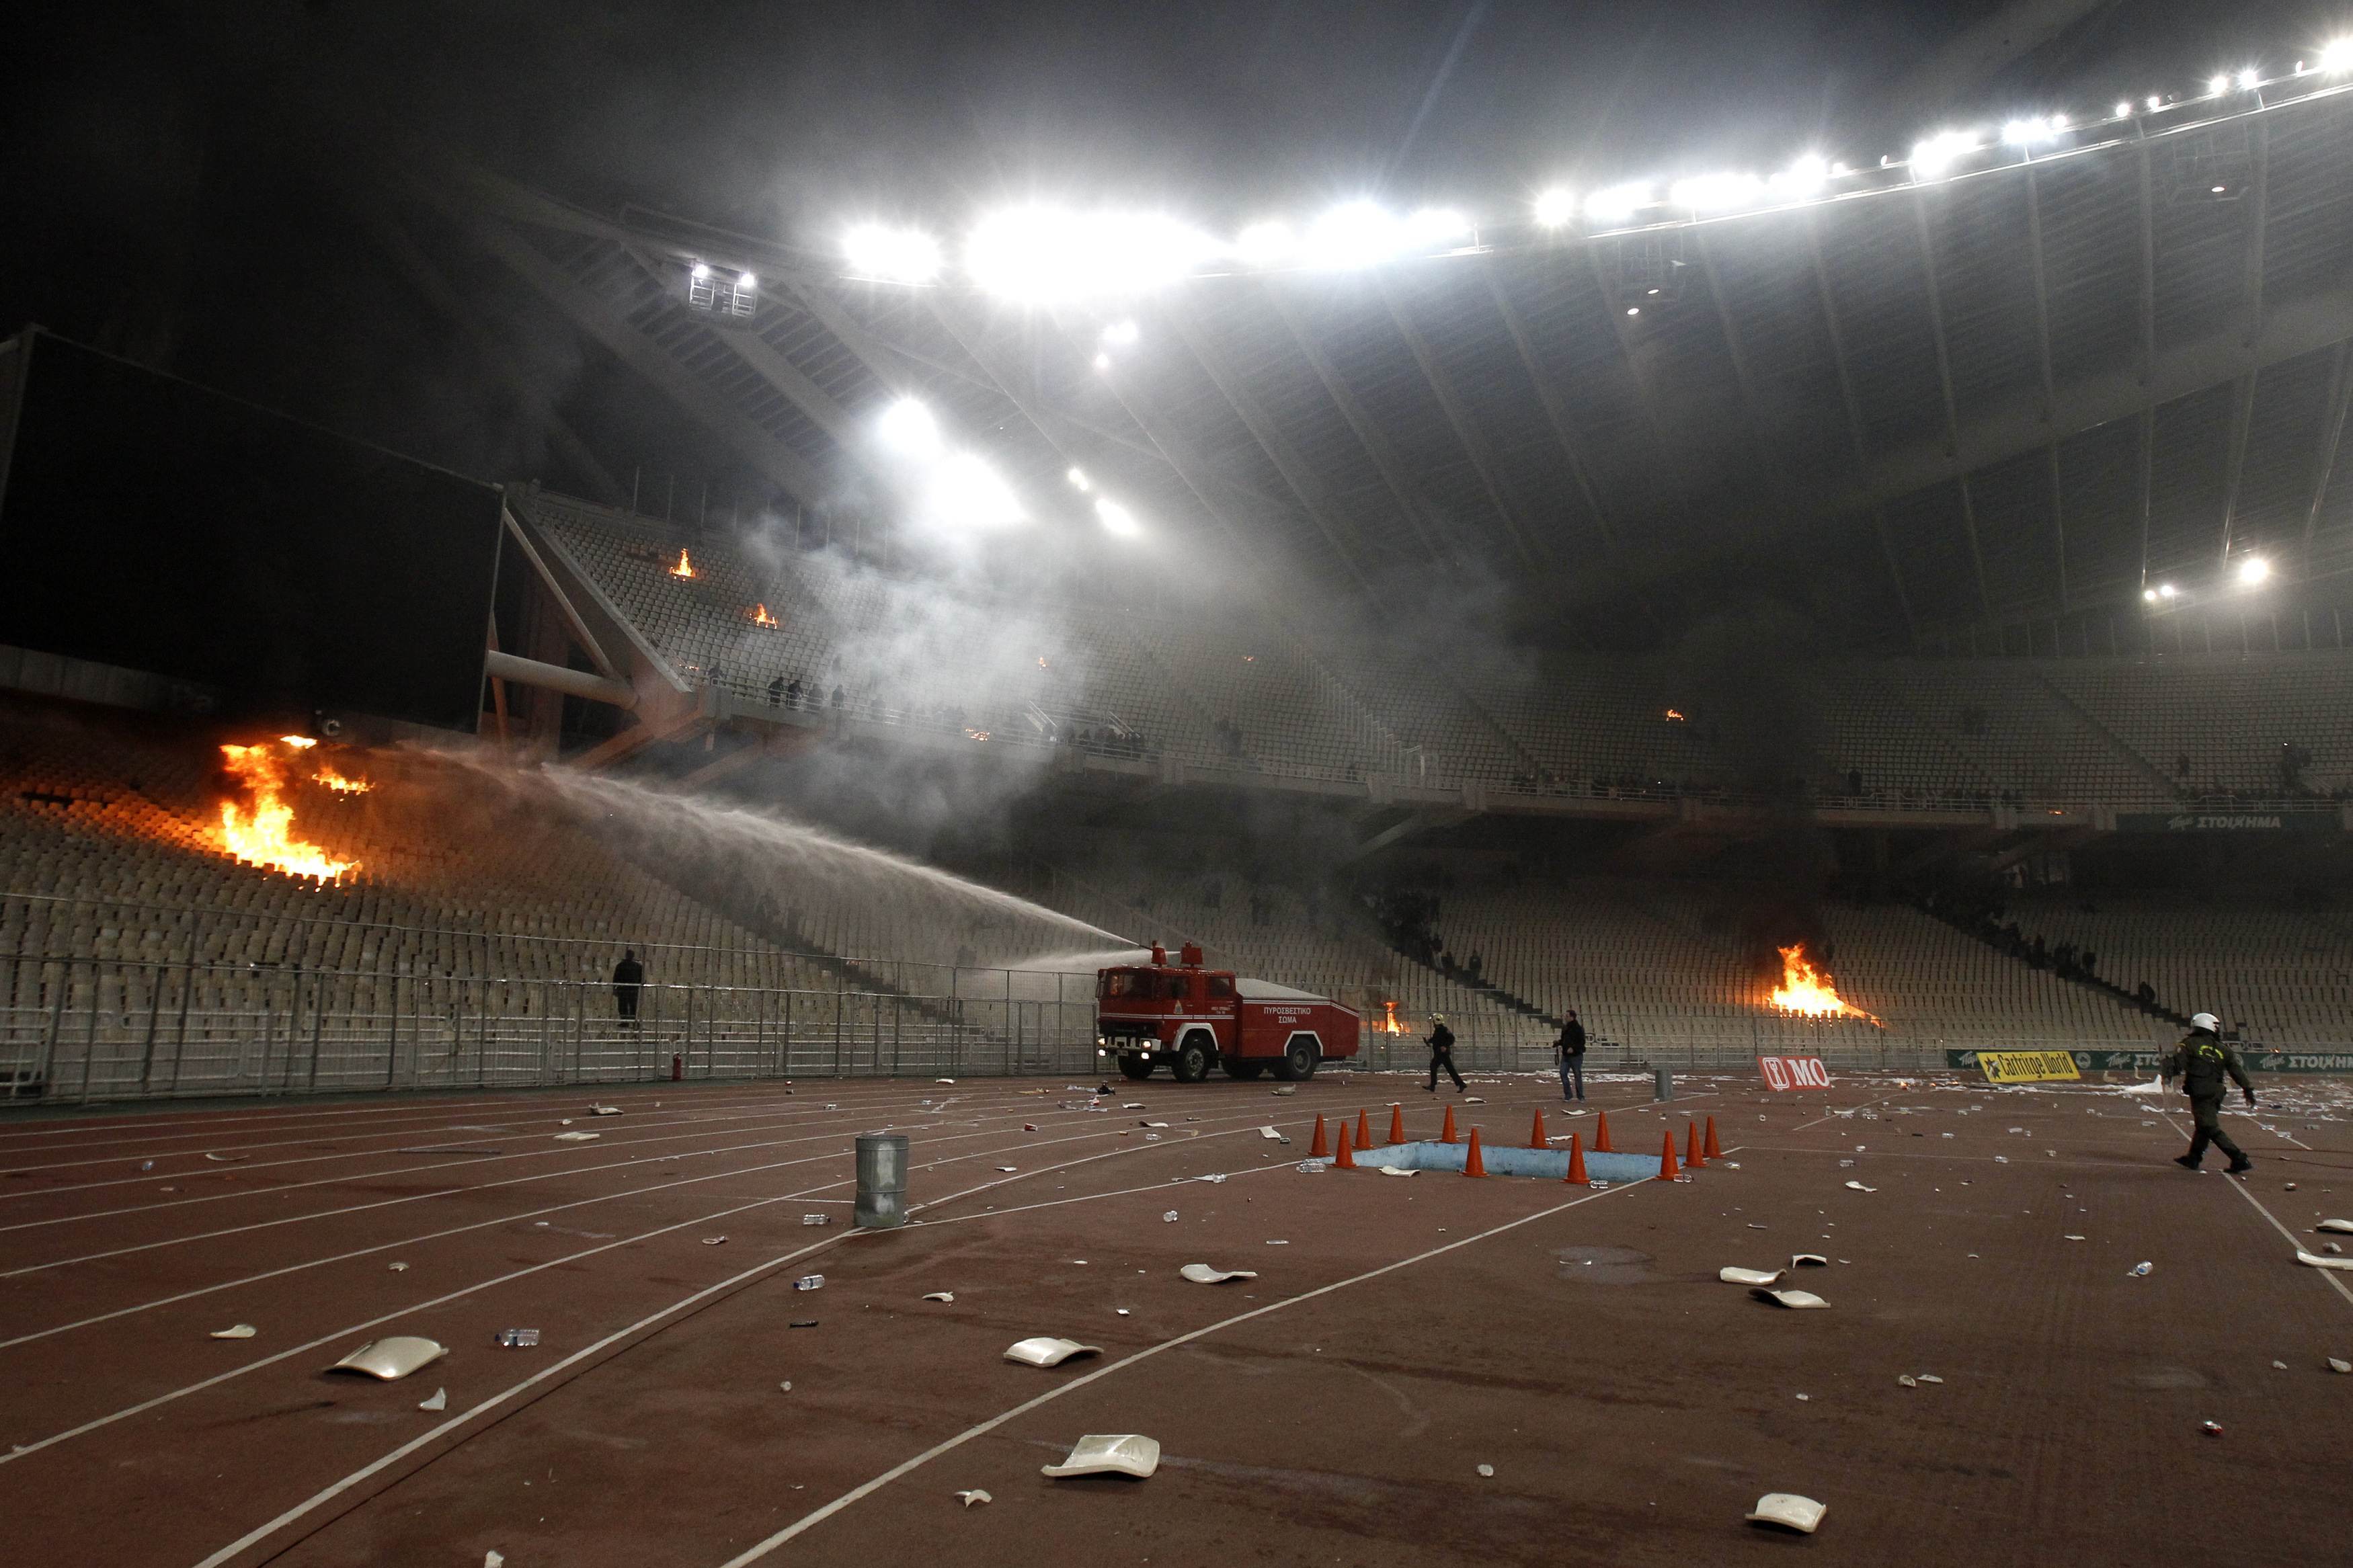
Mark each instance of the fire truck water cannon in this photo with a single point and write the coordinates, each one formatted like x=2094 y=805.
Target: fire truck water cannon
x=1195 y=1019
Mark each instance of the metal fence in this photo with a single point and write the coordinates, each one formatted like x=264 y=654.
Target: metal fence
x=84 y=1029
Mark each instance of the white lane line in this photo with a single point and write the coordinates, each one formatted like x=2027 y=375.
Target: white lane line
x=377 y=1465
x=2329 y=1275
x=867 y=1488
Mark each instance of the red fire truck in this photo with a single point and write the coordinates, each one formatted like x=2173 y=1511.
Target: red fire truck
x=1195 y=1019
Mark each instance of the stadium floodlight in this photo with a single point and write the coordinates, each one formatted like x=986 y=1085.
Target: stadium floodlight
x=1618 y=202
x=2155 y=103
x=1079 y=480
x=1934 y=157
x=2027 y=132
x=2123 y=109
x=1103 y=362
x=965 y=495
x=746 y=281
x=2166 y=590
x=1438 y=226
x=1555 y=206
x=699 y=272
x=1354 y=234
x=1715 y=193
x=2337 y=54
x=1040 y=254
x=1267 y=244
x=1117 y=519
x=2253 y=571
x=2149 y=594
x=1120 y=334
x=2248 y=81
x=893 y=254
x=908 y=429
x=1804 y=178
x=1633 y=309
x=2216 y=86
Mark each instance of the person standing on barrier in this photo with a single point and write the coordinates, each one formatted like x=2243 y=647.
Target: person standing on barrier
x=1442 y=1054
x=1572 y=1045
x=2202 y=1060
x=628 y=978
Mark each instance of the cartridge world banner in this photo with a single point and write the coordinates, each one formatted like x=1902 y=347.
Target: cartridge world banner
x=2296 y=822
x=2258 y=1060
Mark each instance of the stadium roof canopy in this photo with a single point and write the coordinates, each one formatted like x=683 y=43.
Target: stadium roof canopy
x=1928 y=402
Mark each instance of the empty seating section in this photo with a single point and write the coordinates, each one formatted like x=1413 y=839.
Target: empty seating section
x=1230 y=692
x=2285 y=979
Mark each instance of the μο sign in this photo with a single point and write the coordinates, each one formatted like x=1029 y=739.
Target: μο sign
x=2027 y=1067
x=1793 y=1072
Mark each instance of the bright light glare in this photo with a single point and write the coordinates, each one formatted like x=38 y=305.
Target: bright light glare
x=1078 y=480
x=1103 y=362
x=2248 y=80
x=2166 y=590
x=908 y=428
x=2253 y=570
x=1932 y=157
x=966 y=494
x=2149 y=594
x=1117 y=519
x=2337 y=54
x=1618 y=202
x=2217 y=85
x=899 y=255
x=1554 y=207
x=1714 y=193
x=701 y=271
x=1041 y=254
x=1802 y=178
x=1354 y=234
x=1267 y=244
x=746 y=281
x=1437 y=225
x=2155 y=103
x=2027 y=132
x=1120 y=334
x=2123 y=109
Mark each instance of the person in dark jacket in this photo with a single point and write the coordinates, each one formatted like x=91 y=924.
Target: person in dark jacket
x=628 y=978
x=2202 y=1061
x=1442 y=1054
x=1572 y=1045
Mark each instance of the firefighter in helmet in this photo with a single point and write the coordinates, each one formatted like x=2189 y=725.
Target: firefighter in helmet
x=2202 y=1060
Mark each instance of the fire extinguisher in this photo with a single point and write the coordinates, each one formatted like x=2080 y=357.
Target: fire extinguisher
x=678 y=1069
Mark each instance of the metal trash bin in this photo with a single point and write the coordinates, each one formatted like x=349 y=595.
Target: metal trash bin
x=881 y=1180
x=1662 y=1088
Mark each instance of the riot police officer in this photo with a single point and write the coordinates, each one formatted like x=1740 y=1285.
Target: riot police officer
x=2202 y=1059
x=1442 y=1054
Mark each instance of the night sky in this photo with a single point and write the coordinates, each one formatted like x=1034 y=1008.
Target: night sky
x=183 y=182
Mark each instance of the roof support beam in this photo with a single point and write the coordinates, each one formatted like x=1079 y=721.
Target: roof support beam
x=1385 y=460
x=2258 y=215
x=1977 y=556
x=2058 y=523
x=1303 y=480
x=1458 y=418
x=1555 y=405
x=1936 y=321
x=1193 y=470
x=1894 y=574
x=1837 y=342
x=2144 y=489
x=2332 y=436
x=2241 y=415
x=2147 y=266
x=1645 y=394
x=2042 y=294
x=766 y=456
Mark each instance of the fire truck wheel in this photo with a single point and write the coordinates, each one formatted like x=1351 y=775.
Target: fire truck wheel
x=1136 y=1067
x=1299 y=1059
x=1193 y=1060
x=1237 y=1068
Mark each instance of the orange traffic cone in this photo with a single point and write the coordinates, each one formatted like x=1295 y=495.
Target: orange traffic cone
x=1446 y=1133
x=1667 y=1172
x=1364 y=1132
x=1714 y=1150
x=1601 y=1144
x=1397 y=1123
x=1320 y=1148
x=1576 y=1176
x=1472 y=1164
x=1692 y=1156
x=1344 y=1160
x=1536 y=1139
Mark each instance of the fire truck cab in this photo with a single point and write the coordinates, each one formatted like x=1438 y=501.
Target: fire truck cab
x=1195 y=1019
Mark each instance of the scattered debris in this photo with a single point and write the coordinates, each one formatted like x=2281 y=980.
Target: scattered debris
x=975 y=1495
x=397 y=1267
x=2071 y=1239
x=1907 y=1380
x=2211 y=1428
x=392 y=1358
x=1270 y=1133
x=2342 y=1226
x=1045 y=1349
x=1169 y=1218
x=604 y=1110
x=1930 y=1377
x=2337 y=1366
x=809 y=1282
x=227 y=1159
x=943 y=1080
x=516 y=1339
x=817 y=1219
x=494 y=1559
x=714 y=1241
x=2306 y=1258
x=2279 y=1366
x=440 y=1401
x=576 y=1137
x=235 y=1331
x=786 y=1386
x=1215 y=1178
x=1395 y=1170
x=1859 y=1187
x=939 y=1296
x=1758 y=1277
x=1125 y=1454
x=2140 y=1270
x=802 y=1323
x=1808 y=1261
x=1788 y=1510
x=1486 y=1469
x=1789 y=1297
x=1202 y=1274
x=1278 y=1243
x=1287 y=1089
x=1008 y=1170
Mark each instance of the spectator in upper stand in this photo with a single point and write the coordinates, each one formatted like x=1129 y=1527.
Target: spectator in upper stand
x=628 y=979
x=2147 y=994
x=2088 y=962
x=718 y=673
x=776 y=693
x=793 y=693
x=1475 y=965
x=838 y=697
x=1854 y=780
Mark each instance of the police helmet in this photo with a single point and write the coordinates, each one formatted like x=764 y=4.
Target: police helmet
x=2207 y=1022
x=1437 y=1018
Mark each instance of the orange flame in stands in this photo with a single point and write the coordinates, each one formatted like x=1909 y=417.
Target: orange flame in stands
x=684 y=568
x=261 y=833
x=1389 y=1025
x=1805 y=989
x=760 y=616
x=1674 y=716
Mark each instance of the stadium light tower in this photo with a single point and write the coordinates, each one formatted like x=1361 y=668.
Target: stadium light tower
x=1554 y=207
x=2253 y=572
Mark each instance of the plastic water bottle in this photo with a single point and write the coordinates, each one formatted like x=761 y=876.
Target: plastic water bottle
x=809 y=1282
x=2141 y=1269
